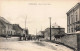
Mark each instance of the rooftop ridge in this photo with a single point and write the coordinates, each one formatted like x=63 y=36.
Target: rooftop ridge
x=3 y=19
x=73 y=7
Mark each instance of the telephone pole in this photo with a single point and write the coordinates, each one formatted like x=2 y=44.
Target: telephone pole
x=25 y=27
x=41 y=28
x=36 y=34
x=25 y=22
x=50 y=28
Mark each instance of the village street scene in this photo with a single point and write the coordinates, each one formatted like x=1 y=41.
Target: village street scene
x=40 y=26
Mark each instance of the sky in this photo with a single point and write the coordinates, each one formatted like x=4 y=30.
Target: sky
x=37 y=13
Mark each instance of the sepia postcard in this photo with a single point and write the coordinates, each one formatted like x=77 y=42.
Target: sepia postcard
x=39 y=25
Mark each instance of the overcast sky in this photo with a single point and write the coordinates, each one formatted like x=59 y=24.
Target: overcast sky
x=37 y=12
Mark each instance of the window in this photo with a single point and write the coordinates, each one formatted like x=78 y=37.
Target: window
x=7 y=32
x=76 y=18
x=72 y=29
x=11 y=32
x=69 y=30
x=14 y=32
x=71 y=18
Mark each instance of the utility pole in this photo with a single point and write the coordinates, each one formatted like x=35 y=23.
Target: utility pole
x=25 y=27
x=50 y=28
x=41 y=28
x=25 y=22
x=36 y=34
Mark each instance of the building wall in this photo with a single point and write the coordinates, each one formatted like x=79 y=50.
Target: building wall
x=5 y=27
x=54 y=31
x=70 y=40
x=78 y=42
x=2 y=28
x=18 y=29
x=9 y=29
x=72 y=17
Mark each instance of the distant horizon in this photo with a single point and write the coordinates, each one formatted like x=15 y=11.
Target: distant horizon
x=37 y=13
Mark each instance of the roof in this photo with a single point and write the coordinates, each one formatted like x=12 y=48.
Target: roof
x=17 y=27
x=40 y=33
x=78 y=4
x=4 y=20
x=56 y=26
x=2 y=24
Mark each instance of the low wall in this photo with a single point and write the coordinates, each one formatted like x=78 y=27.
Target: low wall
x=78 y=42
x=69 y=40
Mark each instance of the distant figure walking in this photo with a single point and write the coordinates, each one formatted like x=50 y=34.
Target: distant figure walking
x=6 y=36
